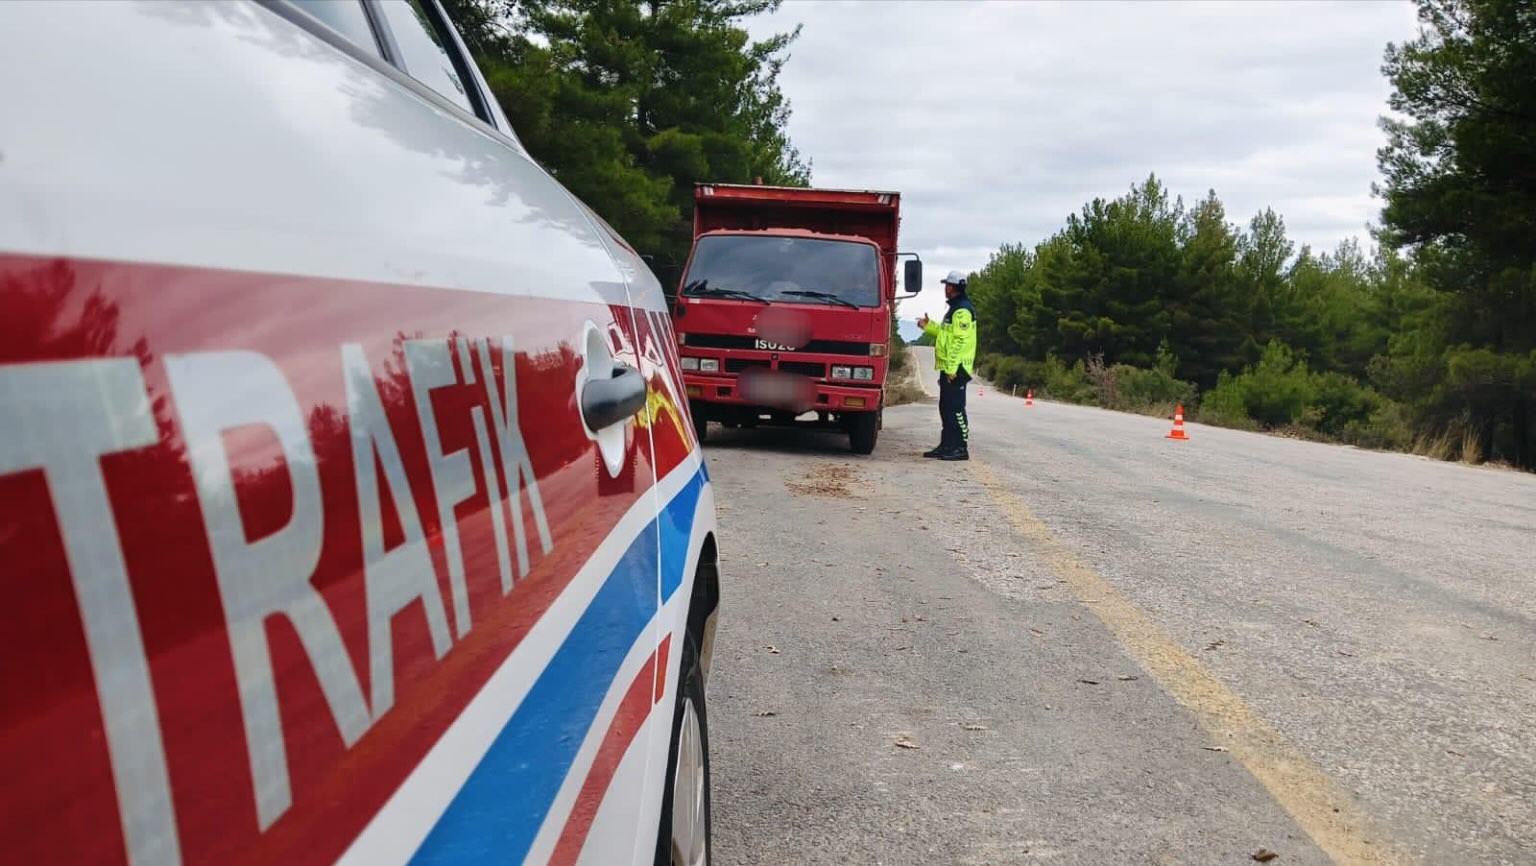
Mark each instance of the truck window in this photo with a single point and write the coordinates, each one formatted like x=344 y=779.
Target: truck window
x=423 y=55
x=345 y=17
x=775 y=268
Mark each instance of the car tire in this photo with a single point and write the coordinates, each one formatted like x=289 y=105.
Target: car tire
x=700 y=420
x=683 y=838
x=863 y=431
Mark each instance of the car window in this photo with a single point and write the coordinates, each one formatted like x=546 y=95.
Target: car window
x=423 y=54
x=345 y=17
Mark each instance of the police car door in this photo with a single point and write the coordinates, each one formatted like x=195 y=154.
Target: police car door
x=311 y=545
x=667 y=452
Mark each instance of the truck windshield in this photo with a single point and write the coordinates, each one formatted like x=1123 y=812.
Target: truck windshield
x=795 y=270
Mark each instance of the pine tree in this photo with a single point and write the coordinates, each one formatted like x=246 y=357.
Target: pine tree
x=629 y=103
x=1207 y=325
x=1460 y=198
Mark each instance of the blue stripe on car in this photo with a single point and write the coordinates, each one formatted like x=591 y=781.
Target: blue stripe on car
x=676 y=527
x=495 y=816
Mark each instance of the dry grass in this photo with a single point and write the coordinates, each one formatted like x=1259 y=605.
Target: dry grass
x=904 y=392
x=1471 y=447
x=901 y=385
x=1455 y=444
x=1435 y=447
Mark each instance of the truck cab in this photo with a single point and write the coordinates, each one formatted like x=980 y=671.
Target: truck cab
x=783 y=314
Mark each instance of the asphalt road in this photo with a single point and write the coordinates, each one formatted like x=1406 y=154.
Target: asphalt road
x=1093 y=645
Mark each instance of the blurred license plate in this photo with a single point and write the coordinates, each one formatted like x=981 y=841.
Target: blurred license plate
x=779 y=390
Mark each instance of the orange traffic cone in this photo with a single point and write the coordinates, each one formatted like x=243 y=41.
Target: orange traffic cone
x=1178 y=424
x=1029 y=397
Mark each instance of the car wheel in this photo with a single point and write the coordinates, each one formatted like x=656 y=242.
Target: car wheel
x=700 y=420
x=685 y=809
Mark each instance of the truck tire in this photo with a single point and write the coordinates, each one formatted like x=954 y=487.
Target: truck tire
x=684 y=838
x=863 y=430
x=700 y=420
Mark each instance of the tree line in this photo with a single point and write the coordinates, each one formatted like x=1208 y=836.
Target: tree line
x=629 y=103
x=1428 y=343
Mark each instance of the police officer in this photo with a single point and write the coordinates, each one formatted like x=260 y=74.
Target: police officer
x=954 y=352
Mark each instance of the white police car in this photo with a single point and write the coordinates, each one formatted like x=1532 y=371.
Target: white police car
x=349 y=505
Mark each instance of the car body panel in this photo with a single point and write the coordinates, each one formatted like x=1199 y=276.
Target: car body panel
x=289 y=373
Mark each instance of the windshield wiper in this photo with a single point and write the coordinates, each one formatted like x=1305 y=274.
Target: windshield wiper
x=821 y=296
x=701 y=288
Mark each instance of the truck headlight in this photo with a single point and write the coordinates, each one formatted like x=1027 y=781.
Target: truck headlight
x=841 y=373
x=709 y=365
x=864 y=374
x=691 y=364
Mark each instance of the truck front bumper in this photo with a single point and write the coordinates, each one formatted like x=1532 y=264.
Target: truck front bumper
x=828 y=397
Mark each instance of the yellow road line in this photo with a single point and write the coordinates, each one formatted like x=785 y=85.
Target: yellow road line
x=1323 y=809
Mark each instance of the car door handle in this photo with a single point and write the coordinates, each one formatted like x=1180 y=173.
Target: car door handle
x=606 y=402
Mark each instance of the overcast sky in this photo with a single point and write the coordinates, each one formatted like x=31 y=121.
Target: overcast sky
x=997 y=119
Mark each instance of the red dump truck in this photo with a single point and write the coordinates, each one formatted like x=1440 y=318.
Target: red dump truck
x=785 y=307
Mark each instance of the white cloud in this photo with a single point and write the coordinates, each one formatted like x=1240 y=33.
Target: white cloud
x=995 y=120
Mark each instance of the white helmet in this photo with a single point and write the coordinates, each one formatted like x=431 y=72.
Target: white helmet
x=955 y=278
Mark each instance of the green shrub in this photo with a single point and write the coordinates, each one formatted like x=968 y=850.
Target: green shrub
x=1049 y=377
x=1339 y=401
x=986 y=365
x=1387 y=427
x=1279 y=392
x=1010 y=372
x=1140 y=388
x=1067 y=384
x=1226 y=405
x=1276 y=390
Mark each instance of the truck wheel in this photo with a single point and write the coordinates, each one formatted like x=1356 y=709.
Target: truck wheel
x=700 y=420
x=683 y=839
x=863 y=430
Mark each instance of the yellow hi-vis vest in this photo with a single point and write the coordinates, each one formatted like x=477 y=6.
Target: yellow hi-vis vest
x=954 y=340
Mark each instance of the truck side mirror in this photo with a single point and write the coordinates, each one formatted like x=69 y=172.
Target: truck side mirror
x=912 y=277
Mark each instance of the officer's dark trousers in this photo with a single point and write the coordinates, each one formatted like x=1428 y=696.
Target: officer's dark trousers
x=957 y=428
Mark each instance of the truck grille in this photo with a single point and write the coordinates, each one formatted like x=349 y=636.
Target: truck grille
x=804 y=368
x=736 y=365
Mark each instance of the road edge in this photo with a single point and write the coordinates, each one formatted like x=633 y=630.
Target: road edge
x=1321 y=807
